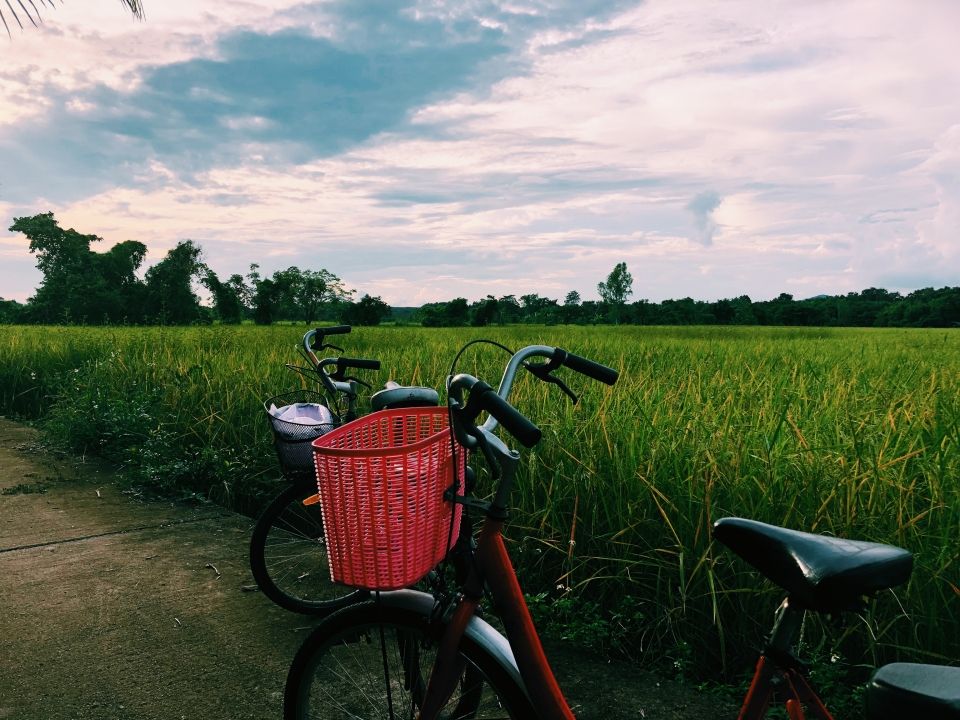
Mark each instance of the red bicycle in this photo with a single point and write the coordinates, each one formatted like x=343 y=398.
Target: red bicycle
x=406 y=653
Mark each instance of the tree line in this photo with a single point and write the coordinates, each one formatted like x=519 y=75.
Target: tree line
x=872 y=307
x=83 y=286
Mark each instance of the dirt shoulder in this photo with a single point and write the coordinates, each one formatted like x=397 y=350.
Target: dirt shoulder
x=118 y=608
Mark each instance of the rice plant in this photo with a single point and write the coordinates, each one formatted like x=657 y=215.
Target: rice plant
x=845 y=431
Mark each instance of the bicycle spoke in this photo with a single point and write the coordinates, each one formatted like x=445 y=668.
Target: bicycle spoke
x=360 y=676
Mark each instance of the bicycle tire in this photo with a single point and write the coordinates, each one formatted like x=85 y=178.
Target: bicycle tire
x=288 y=556
x=339 y=671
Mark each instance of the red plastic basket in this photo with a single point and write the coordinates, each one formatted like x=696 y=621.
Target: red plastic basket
x=381 y=481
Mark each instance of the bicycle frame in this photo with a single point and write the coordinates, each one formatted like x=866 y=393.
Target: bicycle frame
x=778 y=670
x=766 y=679
x=492 y=567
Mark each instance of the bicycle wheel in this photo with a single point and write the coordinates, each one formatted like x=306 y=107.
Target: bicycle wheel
x=371 y=661
x=288 y=556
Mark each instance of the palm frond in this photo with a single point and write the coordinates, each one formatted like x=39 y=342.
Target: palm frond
x=135 y=7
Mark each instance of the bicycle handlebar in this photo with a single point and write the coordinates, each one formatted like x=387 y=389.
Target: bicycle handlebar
x=335 y=330
x=334 y=382
x=483 y=398
x=590 y=368
x=503 y=461
x=308 y=338
x=575 y=362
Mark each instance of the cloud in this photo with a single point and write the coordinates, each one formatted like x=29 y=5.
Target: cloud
x=272 y=99
x=545 y=140
x=942 y=231
x=702 y=207
x=324 y=77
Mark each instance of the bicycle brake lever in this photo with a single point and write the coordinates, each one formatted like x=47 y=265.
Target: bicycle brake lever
x=348 y=378
x=329 y=347
x=542 y=371
x=563 y=386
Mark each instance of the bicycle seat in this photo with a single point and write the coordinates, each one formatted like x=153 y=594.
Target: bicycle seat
x=908 y=690
x=398 y=396
x=821 y=573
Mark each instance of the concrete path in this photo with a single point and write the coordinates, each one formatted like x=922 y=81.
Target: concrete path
x=112 y=607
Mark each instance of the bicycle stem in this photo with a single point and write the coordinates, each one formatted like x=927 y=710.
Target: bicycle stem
x=501 y=460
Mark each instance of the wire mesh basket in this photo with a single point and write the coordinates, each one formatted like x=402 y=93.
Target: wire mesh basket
x=381 y=481
x=297 y=418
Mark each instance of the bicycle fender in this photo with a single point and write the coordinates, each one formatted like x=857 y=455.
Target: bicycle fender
x=478 y=629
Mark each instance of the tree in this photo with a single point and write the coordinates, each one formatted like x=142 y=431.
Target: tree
x=508 y=309
x=454 y=313
x=482 y=313
x=135 y=6
x=264 y=301
x=570 y=312
x=537 y=309
x=263 y=296
x=10 y=311
x=63 y=258
x=315 y=288
x=615 y=291
x=170 y=296
x=228 y=297
x=723 y=312
x=366 y=311
x=743 y=313
x=295 y=294
x=80 y=285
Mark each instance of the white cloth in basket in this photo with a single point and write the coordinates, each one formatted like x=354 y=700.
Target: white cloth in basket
x=312 y=421
x=303 y=413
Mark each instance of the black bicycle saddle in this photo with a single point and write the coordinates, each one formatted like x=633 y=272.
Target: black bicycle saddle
x=909 y=690
x=820 y=572
x=398 y=396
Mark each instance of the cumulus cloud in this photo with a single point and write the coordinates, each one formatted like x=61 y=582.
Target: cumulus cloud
x=702 y=207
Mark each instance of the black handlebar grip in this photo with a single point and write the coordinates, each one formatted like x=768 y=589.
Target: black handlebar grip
x=358 y=363
x=591 y=369
x=516 y=424
x=334 y=330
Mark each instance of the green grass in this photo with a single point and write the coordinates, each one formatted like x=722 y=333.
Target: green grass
x=850 y=432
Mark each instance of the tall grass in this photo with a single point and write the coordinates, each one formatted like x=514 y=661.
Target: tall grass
x=848 y=432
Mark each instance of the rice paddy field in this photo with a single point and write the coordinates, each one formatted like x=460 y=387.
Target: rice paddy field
x=851 y=432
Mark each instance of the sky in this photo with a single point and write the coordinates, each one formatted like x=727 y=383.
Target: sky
x=433 y=149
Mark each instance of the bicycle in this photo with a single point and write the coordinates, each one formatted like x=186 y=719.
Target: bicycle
x=287 y=548
x=831 y=576
x=408 y=653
